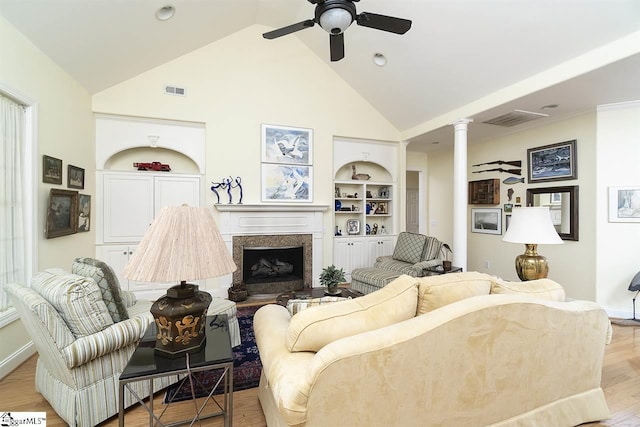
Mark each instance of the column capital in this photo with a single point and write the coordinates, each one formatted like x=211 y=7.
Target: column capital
x=461 y=122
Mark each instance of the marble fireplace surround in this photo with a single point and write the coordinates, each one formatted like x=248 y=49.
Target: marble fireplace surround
x=273 y=226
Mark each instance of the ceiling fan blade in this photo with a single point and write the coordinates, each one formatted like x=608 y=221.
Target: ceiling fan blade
x=336 y=43
x=383 y=22
x=289 y=29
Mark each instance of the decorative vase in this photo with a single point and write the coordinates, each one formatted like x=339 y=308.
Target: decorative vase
x=446 y=265
x=332 y=289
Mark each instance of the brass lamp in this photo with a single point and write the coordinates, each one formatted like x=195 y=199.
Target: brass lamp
x=531 y=226
x=182 y=243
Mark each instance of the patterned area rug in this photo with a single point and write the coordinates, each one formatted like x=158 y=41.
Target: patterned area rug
x=246 y=364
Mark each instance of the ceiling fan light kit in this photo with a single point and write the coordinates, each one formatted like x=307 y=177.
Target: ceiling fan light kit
x=335 y=16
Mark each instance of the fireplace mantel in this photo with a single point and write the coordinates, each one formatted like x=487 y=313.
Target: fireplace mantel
x=271 y=208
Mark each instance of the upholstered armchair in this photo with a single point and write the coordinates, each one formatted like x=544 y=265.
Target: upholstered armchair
x=84 y=335
x=412 y=254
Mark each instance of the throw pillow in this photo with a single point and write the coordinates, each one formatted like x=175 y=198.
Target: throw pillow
x=312 y=329
x=432 y=248
x=76 y=298
x=409 y=247
x=108 y=283
x=296 y=305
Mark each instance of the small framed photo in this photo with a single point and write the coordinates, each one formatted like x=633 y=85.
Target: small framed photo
x=382 y=208
x=51 y=170
x=555 y=162
x=62 y=213
x=84 y=213
x=486 y=220
x=624 y=204
x=286 y=144
x=75 y=177
x=508 y=207
x=353 y=226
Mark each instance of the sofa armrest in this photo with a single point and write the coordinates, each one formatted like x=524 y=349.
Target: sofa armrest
x=270 y=324
x=113 y=338
x=427 y=264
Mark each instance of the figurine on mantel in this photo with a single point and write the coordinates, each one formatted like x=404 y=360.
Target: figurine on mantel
x=360 y=176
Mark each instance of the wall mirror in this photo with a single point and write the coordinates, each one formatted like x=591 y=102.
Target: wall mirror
x=563 y=206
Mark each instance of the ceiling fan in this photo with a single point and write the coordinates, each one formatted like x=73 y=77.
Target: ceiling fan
x=335 y=16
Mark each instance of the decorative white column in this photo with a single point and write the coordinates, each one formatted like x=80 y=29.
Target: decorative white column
x=460 y=190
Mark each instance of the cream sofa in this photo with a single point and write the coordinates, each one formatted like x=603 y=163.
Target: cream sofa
x=436 y=351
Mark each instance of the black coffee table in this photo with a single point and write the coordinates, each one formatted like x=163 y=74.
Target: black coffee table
x=434 y=271
x=145 y=365
x=308 y=293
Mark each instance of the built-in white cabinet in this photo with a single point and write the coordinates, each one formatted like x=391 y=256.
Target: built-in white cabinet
x=127 y=203
x=130 y=201
x=366 y=203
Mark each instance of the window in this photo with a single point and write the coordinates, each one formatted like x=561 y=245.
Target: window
x=17 y=206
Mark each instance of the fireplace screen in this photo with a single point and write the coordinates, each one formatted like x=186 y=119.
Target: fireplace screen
x=269 y=264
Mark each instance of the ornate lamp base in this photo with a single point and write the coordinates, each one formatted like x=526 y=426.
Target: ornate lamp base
x=530 y=265
x=180 y=317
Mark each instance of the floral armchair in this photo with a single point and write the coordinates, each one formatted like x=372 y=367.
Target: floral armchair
x=83 y=342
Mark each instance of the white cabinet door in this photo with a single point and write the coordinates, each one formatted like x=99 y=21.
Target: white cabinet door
x=378 y=246
x=127 y=206
x=349 y=254
x=176 y=191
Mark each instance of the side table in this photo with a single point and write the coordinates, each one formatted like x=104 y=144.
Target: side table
x=145 y=365
x=434 y=271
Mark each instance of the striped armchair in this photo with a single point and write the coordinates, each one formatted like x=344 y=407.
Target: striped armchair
x=82 y=350
x=412 y=254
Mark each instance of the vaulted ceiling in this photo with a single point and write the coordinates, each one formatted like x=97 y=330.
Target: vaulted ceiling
x=461 y=58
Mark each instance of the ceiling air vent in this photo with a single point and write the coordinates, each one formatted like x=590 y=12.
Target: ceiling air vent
x=514 y=118
x=175 y=90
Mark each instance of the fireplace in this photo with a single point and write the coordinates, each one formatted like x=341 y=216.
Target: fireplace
x=272 y=264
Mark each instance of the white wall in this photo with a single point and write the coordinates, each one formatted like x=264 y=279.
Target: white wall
x=573 y=263
x=65 y=131
x=236 y=84
x=618 y=244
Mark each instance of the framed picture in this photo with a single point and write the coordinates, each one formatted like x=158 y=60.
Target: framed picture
x=62 y=213
x=555 y=162
x=381 y=209
x=286 y=183
x=84 y=213
x=353 y=226
x=624 y=204
x=51 y=170
x=486 y=220
x=555 y=198
x=285 y=144
x=508 y=207
x=507 y=221
x=75 y=177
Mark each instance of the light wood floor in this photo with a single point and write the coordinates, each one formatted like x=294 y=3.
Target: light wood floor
x=620 y=380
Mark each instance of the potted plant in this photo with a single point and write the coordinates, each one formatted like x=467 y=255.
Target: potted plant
x=446 y=251
x=331 y=277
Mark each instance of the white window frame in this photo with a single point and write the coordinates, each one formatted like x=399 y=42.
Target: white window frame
x=31 y=188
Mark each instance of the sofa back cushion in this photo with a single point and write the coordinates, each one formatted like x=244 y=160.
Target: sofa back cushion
x=77 y=299
x=545 y=289
x=409 y=247
x=315 y=327
x=437 y=291
x=107 y=281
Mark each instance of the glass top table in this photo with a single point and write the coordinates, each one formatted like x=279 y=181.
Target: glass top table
x=145 y=364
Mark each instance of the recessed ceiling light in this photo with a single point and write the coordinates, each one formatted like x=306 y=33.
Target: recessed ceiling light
x=379 y=59
x=549 y=106
x=165 y=12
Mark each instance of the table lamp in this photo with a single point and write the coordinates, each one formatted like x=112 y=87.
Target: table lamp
x=182 y=243
x=531 y=226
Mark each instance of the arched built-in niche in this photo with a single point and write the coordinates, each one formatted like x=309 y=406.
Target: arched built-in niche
x=117 y=134
x=124 y=160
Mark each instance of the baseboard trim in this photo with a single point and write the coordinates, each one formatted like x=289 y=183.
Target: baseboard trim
x=16 y=359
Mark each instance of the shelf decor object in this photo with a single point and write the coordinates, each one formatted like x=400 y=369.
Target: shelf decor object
x=531 y=226
x=182 y=243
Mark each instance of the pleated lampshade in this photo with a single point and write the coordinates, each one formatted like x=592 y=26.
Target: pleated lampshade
x=182 y=243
